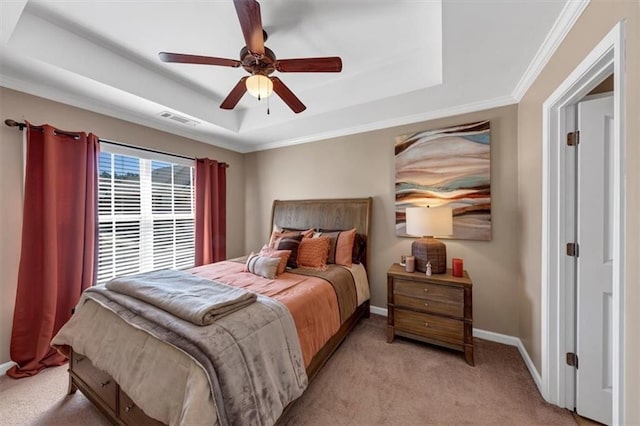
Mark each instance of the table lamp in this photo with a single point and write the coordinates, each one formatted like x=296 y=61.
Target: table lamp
x=426 y=222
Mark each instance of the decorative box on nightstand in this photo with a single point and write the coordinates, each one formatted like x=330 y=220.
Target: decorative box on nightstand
x=435 y=309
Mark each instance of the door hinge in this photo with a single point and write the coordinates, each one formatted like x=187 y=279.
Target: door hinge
x=573 y=138
x=572 y=249
x=572 y=359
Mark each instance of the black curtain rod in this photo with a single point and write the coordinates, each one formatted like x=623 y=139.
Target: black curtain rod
x=12 y=123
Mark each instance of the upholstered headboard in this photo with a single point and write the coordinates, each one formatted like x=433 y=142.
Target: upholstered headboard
x=333 y=213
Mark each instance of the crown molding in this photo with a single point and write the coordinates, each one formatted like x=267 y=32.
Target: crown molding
x=567 y=18
x=234 y=142
x=55 y=95
x=393 y=122
x=10 y=12
x=45 y=91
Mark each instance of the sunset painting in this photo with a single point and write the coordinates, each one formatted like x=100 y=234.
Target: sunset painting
x=447 y=167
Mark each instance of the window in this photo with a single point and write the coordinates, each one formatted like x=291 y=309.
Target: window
x=145 y=212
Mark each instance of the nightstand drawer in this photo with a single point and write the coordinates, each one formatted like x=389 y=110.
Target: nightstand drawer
x=426 y=325
x=100 y=381
x=428 y=305
x=428 y=291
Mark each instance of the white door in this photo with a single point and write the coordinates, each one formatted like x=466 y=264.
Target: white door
x=595 y=257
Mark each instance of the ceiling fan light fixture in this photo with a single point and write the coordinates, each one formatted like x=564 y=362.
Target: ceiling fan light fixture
x=259 y=86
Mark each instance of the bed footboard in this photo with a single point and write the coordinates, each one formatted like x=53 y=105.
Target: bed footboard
x=105 y=393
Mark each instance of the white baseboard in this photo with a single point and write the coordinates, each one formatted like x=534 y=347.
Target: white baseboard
x=537 y=379
x=378 y=311
x=512 y=341
x=6 y=366
x=494 y=337
x=491 y=336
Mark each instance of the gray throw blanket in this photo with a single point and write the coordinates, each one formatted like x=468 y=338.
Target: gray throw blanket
x=185 y=295
x=252 y=357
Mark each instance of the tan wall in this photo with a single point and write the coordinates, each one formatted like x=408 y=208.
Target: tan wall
x=596 y=21
x=20 y=106
x=363 y=165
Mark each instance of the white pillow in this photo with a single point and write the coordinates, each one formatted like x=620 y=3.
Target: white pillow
x=263 y=266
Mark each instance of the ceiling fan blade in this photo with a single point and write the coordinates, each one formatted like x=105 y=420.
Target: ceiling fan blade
x=251 y=23
x=330 y=64
x=195 y=59
x=235 y=95
x=287 y=95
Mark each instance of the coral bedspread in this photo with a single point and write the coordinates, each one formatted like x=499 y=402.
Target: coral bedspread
x=319 y=301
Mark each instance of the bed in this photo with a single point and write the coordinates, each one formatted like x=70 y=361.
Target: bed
x=125 y=394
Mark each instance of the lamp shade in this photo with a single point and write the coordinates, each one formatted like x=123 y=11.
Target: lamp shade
x=429 y=221
x=259 y=85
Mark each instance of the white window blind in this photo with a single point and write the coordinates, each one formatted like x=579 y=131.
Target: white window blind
x=145 y=212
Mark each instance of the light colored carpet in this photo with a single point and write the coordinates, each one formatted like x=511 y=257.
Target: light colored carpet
x=366 y=382
x=370 y=382
x=43 y=400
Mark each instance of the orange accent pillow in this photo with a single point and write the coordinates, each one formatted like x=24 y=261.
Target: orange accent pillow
x=313 y=252
x=341 y=246
x=282 y=254
x=276 y=236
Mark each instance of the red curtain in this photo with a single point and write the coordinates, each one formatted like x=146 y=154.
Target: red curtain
x=58 y=255
x=211 y=211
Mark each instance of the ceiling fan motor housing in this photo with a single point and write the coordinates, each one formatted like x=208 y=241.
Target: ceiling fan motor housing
x=263 y=64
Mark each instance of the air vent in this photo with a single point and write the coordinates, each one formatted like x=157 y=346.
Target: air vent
x=178 y=118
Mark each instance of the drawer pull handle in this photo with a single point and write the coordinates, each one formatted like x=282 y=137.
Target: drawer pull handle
x=103 y=384
x=426 y=304
x=426 y=290
x=426 y=324
x=128 y=408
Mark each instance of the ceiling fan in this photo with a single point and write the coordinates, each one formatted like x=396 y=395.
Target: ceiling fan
x=259 y=61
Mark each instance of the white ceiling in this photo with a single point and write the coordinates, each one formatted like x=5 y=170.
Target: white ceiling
x=403 y=61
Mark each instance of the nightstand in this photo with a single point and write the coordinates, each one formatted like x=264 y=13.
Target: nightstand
x=435 y=309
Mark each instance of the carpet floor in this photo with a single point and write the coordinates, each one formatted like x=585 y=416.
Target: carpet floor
x=366 y=382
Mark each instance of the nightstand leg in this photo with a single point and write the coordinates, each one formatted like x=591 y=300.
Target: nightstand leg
x=468 y=355
x=390 y=334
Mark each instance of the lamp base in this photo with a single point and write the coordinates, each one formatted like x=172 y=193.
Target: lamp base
x=430 y=250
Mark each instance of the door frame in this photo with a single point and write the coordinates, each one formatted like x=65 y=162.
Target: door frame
x=557 y=386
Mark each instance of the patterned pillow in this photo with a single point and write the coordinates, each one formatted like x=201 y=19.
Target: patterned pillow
x=276 y=235
x=341 y=246
x=283 y=255
x=264 y=266
x=290 y=243
x=313 y=252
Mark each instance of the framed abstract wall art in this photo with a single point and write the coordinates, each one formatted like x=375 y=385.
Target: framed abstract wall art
x=447 y=167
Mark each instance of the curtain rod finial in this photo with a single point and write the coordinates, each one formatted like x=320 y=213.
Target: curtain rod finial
x=13 y=123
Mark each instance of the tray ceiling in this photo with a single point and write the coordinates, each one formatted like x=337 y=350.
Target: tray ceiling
x=403 y=61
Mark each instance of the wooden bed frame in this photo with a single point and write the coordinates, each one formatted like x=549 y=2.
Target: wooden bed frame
x=105 y=393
